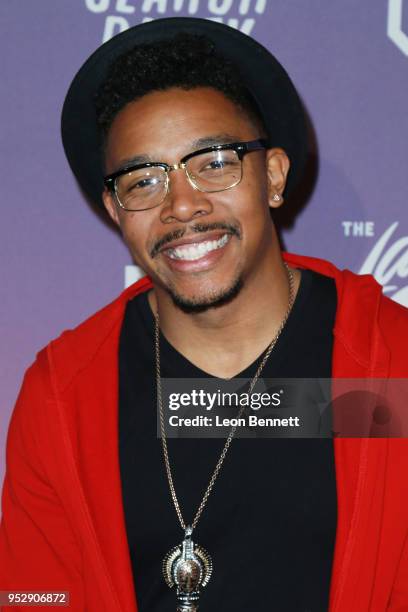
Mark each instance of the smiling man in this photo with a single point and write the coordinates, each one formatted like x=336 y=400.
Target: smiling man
x=199 y=223
x=189 y=134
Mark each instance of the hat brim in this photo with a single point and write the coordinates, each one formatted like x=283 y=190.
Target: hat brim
x=263 y=75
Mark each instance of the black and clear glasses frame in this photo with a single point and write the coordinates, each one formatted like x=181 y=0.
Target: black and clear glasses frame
x=240 y=148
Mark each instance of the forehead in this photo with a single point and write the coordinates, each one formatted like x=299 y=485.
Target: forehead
x=166 y=124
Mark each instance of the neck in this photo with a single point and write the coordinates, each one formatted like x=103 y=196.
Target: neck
x=225 y=340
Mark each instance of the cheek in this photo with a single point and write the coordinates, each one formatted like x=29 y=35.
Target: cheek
x=253 y=200
x=134 y=234
x=254 y=214
x=258 y=181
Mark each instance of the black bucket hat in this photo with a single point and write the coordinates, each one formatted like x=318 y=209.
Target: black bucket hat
x=262 y=74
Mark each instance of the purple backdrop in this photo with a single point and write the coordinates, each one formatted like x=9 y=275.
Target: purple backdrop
x=60 y=263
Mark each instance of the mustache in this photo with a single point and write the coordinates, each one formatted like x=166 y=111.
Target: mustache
x=230 y=228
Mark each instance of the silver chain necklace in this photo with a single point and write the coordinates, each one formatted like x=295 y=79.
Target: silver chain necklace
x=188 y=565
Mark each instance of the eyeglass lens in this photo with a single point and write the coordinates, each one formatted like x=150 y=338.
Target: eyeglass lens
x=209 y=172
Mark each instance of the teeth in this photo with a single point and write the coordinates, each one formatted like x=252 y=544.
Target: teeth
x=196 y=251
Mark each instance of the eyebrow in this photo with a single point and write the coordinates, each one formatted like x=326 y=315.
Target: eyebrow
x=196 y=145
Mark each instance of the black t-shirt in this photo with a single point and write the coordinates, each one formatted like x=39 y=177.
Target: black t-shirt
x=270 y=521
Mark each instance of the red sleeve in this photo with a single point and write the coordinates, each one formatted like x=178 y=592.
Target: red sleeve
x=39 y=550
x=399 y=595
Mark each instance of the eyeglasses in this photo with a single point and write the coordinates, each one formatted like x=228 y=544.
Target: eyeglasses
x=140 y=187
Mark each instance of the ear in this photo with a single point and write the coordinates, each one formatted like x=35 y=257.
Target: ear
x=110 y=205
x=277 y=168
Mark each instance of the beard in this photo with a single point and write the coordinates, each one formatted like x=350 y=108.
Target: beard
x=194 y=304
x=201 y=304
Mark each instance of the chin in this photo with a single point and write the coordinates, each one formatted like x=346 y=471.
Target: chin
x=201 y=303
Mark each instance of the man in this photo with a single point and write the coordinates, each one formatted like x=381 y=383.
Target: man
x=199 y=133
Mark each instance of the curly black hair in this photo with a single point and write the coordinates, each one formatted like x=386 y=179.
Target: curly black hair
x=186 y=61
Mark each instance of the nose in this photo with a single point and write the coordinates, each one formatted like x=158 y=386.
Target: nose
x=183 y=202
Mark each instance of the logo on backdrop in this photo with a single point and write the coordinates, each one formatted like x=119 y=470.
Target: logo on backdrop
x=119 y=15
x=395 y=29
x=387 y=260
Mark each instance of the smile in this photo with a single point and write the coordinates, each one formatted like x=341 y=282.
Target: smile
x=192 y=252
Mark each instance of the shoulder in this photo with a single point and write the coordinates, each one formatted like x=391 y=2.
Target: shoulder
x=68 y=353
x=367 y=320
x=393 y=323
x=393 y=315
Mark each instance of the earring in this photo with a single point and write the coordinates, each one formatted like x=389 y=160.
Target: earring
x=276 y=197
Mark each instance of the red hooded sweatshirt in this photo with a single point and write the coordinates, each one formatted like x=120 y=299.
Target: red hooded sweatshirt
x=63 y=526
